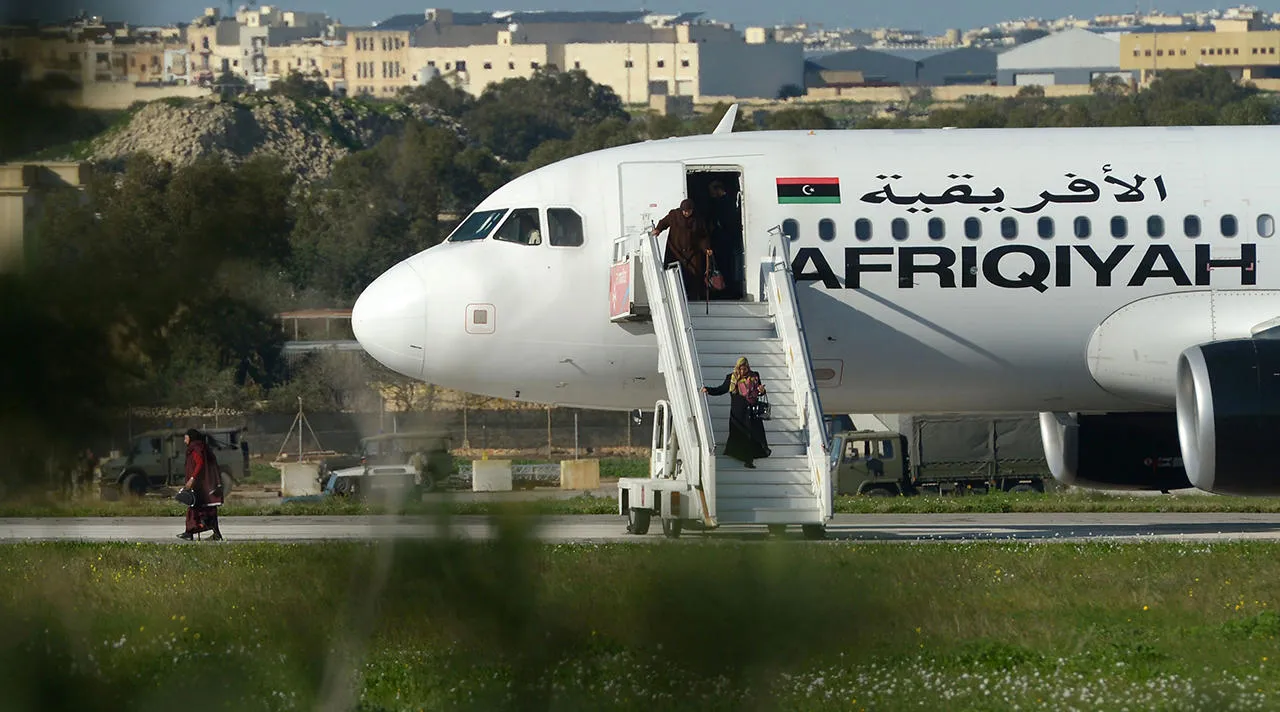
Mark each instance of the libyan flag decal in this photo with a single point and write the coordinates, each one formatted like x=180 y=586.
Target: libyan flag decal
x=808 y=190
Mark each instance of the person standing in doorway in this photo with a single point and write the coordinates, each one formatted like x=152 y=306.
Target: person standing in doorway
x=687 y=245
x=204 y=480
x=726 y=239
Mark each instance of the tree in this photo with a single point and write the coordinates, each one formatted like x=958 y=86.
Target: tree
x=301 y=86
x=808 y=117
x=513 y=117
x=790 y=91
x=441 y=95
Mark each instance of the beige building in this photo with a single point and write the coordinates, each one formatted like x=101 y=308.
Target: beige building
x=1238 y=44
x=324 y=58
x=23 y=187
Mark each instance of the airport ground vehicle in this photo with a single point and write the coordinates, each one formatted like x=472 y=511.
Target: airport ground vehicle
x=379 y=484
x=940 y=454
x=157 y=459
x=426 y=451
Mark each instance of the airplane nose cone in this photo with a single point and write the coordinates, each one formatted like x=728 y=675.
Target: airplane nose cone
x=390 y=320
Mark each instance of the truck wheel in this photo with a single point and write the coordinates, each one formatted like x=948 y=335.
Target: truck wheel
x=227 y=484
x=814 y=532
x=638 y=521
x=880 y=492
x=1024 y=487
x=134 y=484
x=671 y=527
x=428 y=484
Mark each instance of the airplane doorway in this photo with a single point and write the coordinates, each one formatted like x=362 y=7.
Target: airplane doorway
x=716 y=193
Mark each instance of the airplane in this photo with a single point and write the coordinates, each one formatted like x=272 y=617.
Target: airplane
x=1117 y=281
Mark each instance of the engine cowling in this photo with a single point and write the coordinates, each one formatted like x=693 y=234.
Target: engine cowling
x=1118 y=451
x=1228 y=410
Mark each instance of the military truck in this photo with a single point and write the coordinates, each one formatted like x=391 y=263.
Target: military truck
x=426 y=450
x=157 y=460
x=942 y=454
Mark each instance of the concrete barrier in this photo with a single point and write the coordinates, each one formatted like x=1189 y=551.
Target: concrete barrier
x=298 y=479
x=490 y=475
x=579 y=474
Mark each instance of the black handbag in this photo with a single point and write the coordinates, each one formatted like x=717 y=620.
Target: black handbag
x=759 y=409
x=186 y=496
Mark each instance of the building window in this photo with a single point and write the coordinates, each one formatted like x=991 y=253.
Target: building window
x=460 y=65
x=937 y=229
x=431 y=63
x=1229 y=226
x=1008 y=228
x=511 y=65
x=1147 y=53
x=1044 y=227
x=1182 y=53
x=1266 y=226
x=662 y=63
x=1119 y=227
x=533 y=65
x=791 y=229
x=628 y=64
x=577 y=64
x=1191 y=226
x=684 y=62
x=1082 y=228
x=899 y=229
x=972 y=228
x=488 y=65
x=1155 y=226
x=565 y=226
x=862 y=229
x=826 y=229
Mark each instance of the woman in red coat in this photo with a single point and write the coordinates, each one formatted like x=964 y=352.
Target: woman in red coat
x=204 y=479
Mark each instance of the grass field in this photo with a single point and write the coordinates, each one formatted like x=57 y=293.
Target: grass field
x=517 y=625
x=588 y=504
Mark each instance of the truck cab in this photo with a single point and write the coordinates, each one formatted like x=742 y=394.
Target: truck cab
x=157 y=459
x=871 y=463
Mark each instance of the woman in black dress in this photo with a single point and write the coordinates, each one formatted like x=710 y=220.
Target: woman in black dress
x=746 y=431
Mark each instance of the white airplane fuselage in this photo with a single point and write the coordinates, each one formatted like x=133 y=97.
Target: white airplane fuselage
x=902 y=315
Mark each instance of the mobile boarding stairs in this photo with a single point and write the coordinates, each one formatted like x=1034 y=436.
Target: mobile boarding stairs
x=690 y=480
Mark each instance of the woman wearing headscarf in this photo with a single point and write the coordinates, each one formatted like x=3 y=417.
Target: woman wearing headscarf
x=746 y=431
x=204 y=480
x=687 y=245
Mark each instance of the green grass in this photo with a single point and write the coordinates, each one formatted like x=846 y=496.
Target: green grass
x=730 y=626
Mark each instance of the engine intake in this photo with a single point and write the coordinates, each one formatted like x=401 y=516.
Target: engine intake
x=1228 y=409
x=1124 y=451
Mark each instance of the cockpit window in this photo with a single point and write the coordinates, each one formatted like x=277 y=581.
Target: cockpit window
x=522 y=226
x=565 y=226
x=477 y=226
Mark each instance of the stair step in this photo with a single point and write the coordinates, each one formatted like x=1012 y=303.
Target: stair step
x=734 y=335
x=807 y=502
x=725 y=361
x=760 y=477
x=774 y=463
x=758 y=309
x=778 y=413
x=778 y=398
x=769 y=516
x=750 y=347
x=741 y=490
x=774 y=437
x=734 y=323
x=776 y=450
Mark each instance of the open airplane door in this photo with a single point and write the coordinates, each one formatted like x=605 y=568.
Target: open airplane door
x=647 y=192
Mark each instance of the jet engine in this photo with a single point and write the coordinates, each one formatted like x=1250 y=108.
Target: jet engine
x=1130 y=451
x=1228 y=410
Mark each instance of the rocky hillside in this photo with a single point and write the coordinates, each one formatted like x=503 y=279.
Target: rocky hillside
x=309 y=135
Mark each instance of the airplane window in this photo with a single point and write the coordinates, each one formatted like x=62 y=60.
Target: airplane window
x=972 y=228
x=899 y=228
x=1229 y=226
x=1082 y=227
x=1044 y=227
x=1266 y=226
x=521 y=226
x=565 y=226
x=1119 y=227
x=1155 y=226
x=477 y=226
x=791 y=229
x=937 y=229
x=1009 y=228
x=826 y=229
x=1191 y=226
x=862 y=229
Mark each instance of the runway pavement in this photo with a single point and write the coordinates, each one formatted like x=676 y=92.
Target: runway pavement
x=606 y=528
